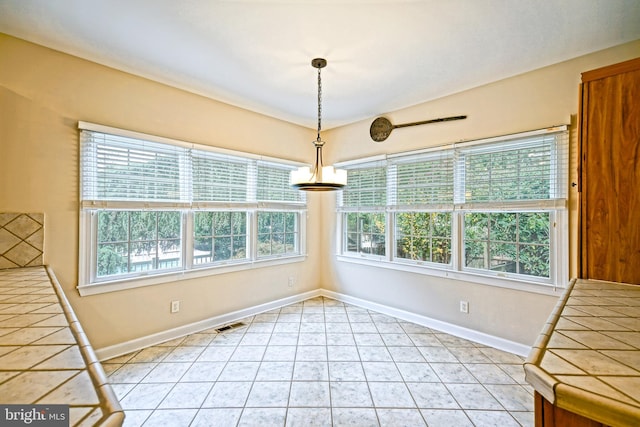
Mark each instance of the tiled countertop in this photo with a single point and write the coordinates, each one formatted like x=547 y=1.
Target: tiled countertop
x=587 y=358
x=45 y=357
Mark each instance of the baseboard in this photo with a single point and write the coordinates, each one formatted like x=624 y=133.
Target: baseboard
x=116 y=350
x=449 y=328
x=126 y=347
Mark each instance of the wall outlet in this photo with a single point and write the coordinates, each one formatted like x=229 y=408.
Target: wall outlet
x=175 y=306
x=464 y=306
x=292 y=281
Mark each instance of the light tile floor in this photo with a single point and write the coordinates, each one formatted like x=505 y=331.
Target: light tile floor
x=322 y=362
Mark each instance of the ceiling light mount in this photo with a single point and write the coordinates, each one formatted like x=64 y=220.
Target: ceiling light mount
x=319 y=63
x=321 y=178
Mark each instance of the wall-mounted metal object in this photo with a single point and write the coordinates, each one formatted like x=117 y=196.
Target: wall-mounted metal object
x=381 y=128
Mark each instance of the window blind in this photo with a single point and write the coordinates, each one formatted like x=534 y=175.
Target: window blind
x=127 y=169
x=273 y=183
x=218 y=177
x=524 y=169
x=367 y=187
x=117 y=170
x=423 y=180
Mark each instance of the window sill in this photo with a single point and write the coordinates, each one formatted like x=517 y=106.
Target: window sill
x=157 y=279
x=502 y=282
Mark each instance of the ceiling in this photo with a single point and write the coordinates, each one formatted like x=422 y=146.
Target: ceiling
x=382 y=55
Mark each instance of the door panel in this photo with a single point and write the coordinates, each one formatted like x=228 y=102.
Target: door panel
x=610 y=174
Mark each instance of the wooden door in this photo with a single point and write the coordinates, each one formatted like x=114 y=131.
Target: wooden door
x=610 y=173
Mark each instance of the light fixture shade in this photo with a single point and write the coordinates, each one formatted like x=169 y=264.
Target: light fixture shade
x=328 y=179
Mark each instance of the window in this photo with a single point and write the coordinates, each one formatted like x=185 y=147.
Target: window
x=130 y=241
x=219 y=236
x=364 y=201
x=365 y=233
x=424 y=236
x=277 y=233
x=513 y=242
x=151 y=206
x=489 y=208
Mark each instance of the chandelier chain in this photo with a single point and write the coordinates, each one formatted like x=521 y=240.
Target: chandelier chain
x=319 y=103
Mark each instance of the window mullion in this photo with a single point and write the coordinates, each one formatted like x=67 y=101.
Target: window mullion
x=390 y=235
x=188 y=243
x=253 y=232
x=457 y=241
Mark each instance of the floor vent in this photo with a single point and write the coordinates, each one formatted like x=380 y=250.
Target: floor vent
x=230 y=327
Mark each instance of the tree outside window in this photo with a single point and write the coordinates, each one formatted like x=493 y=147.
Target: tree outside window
x=511 y=242
x=365 y=232
x=130 y=241
x=424 y=236
x=219 y=236
x=277 y=233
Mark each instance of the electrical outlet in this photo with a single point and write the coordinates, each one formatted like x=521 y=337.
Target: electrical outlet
x=175 y=306
x=464 y=306
x=292 y=281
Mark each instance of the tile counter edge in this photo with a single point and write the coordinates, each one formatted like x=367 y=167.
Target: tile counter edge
x=591 y=405
x=113 y=412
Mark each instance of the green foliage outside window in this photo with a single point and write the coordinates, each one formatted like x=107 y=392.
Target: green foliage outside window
x=277 y=233
x=219 y=236
x=512 y=242
x=424 y=236
x=131 y=241
x=366 y=232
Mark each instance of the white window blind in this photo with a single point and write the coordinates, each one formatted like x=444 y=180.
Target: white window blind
x=367 y=187
x=219 y=177
x=523 y=169
x=273 y=184
x=117 y=168
x=425 y=181
x=127 y=169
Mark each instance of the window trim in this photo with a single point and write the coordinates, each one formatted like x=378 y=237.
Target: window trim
x=559 y=223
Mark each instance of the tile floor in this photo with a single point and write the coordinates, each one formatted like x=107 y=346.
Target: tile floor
x=322 y=362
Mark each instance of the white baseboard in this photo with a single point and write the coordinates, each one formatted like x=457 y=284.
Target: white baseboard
x=116 y=350
x=449 y=328
x=109 y=352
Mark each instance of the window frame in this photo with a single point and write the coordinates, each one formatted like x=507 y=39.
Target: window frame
x=89 y=283
x=556 y=206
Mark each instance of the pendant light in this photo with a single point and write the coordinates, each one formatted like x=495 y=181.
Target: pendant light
x=321 y=178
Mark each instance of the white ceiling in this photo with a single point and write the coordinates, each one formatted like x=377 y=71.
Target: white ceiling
x=382 y=55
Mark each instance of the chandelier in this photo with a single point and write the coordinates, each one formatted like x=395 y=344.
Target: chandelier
x=321 y=178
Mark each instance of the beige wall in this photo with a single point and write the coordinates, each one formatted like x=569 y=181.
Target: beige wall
x=43 y=94
x=535 y=100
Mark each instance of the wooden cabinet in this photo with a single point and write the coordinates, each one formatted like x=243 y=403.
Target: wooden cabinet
x=609 y=148
x=549 y=415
